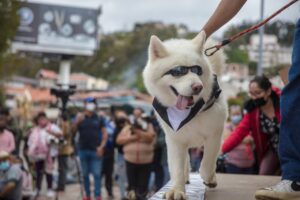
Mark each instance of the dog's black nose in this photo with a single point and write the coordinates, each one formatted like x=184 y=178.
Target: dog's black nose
x=197 y=87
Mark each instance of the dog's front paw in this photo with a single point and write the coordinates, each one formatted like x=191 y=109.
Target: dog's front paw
x=212 y=182
x=174 y=194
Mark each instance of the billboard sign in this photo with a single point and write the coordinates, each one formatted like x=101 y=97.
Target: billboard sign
x=48 y=28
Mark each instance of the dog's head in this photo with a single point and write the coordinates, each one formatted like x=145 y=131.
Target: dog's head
x=178 y=73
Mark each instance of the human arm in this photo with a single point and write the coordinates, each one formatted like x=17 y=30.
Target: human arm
x=12 y=143
x=14 y=175
x=29 y=139
x=100 y=148
x=238 y=134
x=55 y=131
x=248 y=139
x=77 y=122
x=225 y=11
x=7 y=189
x=146 y=136
x=125 y=136
x=228 y=130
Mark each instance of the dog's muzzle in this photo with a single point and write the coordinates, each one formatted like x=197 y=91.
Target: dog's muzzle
x=184 y=102
x=174 y=91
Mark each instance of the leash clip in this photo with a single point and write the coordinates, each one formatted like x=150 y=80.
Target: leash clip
x=211 y=50
x=217 y=47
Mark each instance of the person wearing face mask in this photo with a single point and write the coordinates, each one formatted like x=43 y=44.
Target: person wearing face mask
x=92 y=141
x=121 y=120
x=138 y=139
x=262 y=121
x=7 y=141
x=42 y=151
x=10 y=179
x=289 y=142
x=239 y=160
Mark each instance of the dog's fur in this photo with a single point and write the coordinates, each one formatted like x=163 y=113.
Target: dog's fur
x=206 y=127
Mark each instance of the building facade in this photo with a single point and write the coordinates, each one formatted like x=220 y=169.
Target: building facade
x=273 y=53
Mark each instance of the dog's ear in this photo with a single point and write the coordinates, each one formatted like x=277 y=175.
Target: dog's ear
x=156 y=48
x=199 y=40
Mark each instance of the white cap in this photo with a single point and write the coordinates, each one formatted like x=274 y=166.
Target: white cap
x=4 y=154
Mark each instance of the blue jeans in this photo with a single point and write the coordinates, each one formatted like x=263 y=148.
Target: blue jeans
x=289 y=142
x=121 y=174
x=91 y=164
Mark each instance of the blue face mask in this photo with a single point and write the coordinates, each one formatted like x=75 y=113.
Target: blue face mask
x=4 y=165
x=235 y=119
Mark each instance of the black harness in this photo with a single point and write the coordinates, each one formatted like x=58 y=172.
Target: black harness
x=201 y=105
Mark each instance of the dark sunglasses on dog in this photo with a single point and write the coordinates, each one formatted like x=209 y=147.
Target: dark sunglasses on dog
x=183 y=70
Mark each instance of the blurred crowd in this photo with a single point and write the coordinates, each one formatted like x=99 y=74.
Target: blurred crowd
x=113 y=147
x=126 y=149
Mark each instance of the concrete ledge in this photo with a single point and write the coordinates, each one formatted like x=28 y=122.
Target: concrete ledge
x=230 y=187
x=195 y=190
x=239 y=187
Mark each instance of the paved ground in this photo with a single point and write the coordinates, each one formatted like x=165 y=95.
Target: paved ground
x=239 y=187
x=73 y=193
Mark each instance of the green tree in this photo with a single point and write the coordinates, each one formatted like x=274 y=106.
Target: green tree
x=282 y=29
x=27 y=66
x=234 y=101
x=273 y=71
x=123 y=50
x=235 y=29
x=139 y=83
x=243 y=96
x=252 y=68
x=236 y=55
x=2 y=96
x=9 y=21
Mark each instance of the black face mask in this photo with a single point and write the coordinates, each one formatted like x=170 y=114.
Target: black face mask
x=259 y=102
x=121 y=121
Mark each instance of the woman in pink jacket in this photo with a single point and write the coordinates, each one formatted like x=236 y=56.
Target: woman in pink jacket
x=7 y=140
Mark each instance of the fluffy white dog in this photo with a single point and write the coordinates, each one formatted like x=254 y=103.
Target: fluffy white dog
x=189 y=105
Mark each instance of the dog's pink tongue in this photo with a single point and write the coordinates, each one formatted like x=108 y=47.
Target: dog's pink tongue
x=182 y=102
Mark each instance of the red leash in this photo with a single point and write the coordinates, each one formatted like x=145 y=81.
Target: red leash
x=211 y=50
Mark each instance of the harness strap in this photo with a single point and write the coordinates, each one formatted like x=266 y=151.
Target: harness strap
x=200 y=105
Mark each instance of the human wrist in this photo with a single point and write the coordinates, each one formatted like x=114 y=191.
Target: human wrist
x=208 y=30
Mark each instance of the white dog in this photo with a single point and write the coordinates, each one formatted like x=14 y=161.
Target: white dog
x=188 y=103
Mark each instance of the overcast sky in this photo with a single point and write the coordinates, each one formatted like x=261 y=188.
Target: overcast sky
x=123 y=14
